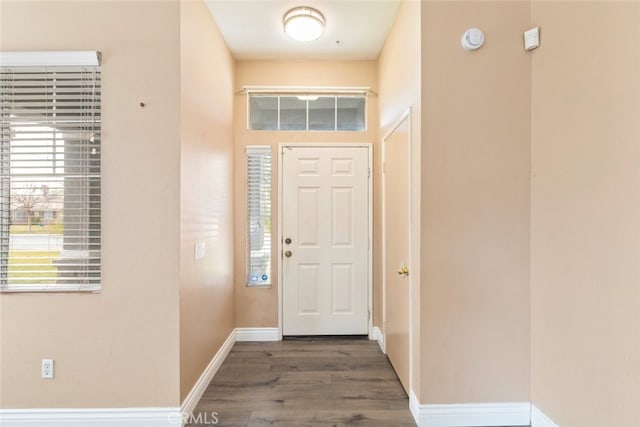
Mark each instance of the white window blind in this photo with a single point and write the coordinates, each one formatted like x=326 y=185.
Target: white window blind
x=50 y=198
x=259 y=216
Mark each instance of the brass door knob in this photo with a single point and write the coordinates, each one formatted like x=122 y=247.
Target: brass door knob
x=287 y=240
x=403 y=271
x=288 y=254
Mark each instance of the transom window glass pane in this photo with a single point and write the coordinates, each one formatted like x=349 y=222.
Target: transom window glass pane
x=304 y=111
x=293 y=113
x=322 y=113
x=350 y=113
x=264 y=112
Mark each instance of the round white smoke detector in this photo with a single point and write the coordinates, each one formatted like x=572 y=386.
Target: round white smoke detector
x=472 y=39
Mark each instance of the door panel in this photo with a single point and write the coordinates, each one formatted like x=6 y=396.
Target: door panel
x=325 y=213
x=308 y=207
x=396 y=249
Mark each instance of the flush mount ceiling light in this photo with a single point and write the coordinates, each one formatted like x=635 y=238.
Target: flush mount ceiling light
x=303 y=23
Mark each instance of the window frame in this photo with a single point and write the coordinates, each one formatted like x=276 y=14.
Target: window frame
x=308 y=94
x=263 y=153
x=78 y=265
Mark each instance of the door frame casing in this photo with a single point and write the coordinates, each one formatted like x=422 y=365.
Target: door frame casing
x=369 y=147
x=406 y=115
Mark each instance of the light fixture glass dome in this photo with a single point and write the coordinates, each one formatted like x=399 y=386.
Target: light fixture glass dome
x=303 y=23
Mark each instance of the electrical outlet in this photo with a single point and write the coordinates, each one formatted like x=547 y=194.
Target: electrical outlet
x=47 y=368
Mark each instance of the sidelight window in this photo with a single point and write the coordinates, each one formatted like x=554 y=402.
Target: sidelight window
x=259 y=216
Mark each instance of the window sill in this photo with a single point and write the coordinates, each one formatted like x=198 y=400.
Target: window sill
x=49 y=289
x=260 y=285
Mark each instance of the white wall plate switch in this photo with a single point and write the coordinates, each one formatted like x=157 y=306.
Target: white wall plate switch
x=199 y=249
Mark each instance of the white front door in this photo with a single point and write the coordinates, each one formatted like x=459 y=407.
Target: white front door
x=325 y=240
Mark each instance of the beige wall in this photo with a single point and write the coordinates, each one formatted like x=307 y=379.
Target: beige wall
x=118 y=347
x=475 y=204
x=399 y=79
x=258 y=307
x=585 y=225
x=206 y=285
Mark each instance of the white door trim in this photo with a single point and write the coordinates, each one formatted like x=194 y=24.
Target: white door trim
x=405 y=115
x=370 y=228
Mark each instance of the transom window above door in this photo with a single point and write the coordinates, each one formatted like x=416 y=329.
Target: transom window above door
x=307 y=111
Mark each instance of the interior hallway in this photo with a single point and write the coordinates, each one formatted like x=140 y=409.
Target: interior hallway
x=526 y=201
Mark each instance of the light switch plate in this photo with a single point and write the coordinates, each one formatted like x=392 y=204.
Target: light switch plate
x=199 y=250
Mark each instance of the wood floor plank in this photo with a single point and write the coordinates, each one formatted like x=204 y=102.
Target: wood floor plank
x=306 y=383
x=332 y=418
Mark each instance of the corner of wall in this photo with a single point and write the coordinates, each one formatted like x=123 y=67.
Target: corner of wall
x=207 y=192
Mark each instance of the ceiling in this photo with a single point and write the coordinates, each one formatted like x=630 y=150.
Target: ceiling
x=355 y=29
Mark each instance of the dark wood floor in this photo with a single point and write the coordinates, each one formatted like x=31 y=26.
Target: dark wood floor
x=318 y=382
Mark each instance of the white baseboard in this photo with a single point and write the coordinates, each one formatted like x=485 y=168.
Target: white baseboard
x=201 y=385
x=257 y=334
x=376 y=334
x=470 y=414
x=112 y=417
x=539 y=419
x=414 y=407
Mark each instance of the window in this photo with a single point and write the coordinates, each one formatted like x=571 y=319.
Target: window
x=322 y=112
x=293 y=113
x=50 y=199
x=258 y=216
x=263 y=112
x=350 y=113
x=19 y=215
